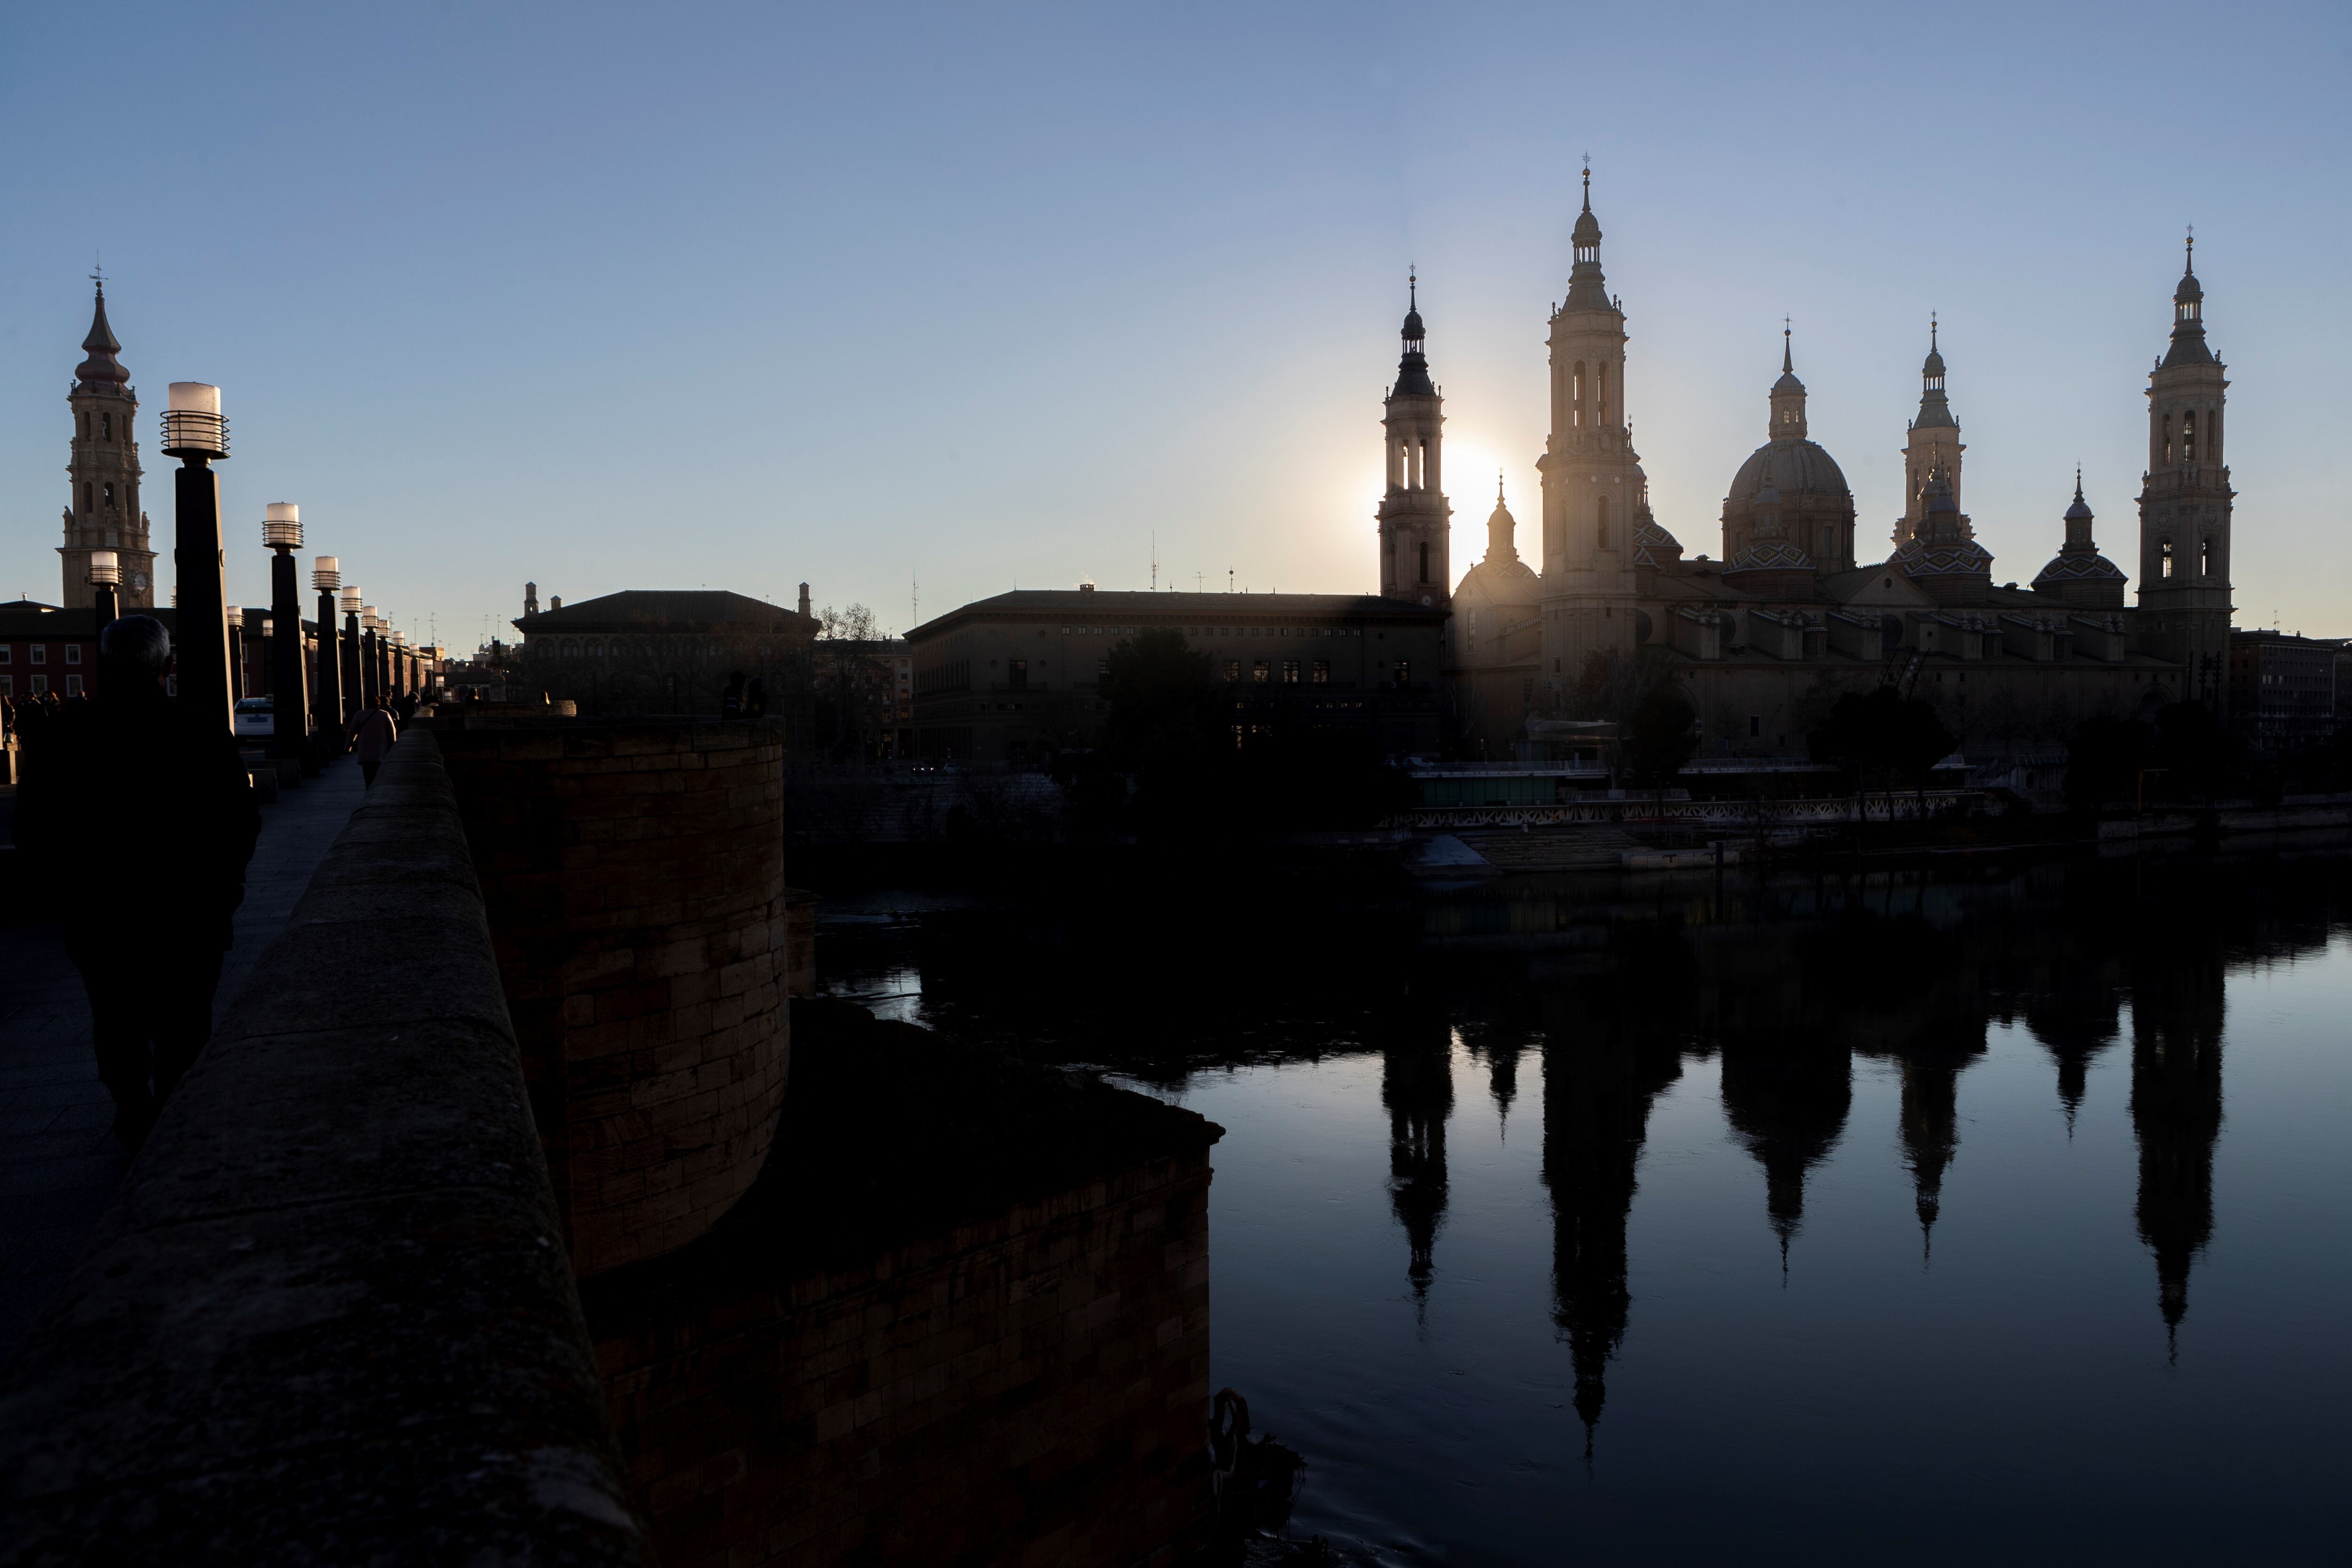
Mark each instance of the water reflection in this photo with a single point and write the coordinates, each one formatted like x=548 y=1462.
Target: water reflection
x=1826 y=1015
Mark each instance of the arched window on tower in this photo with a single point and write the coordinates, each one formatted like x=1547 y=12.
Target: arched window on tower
x=2188 y=436
x=1424 y=562
x=1576 y=397
x=106 y=426
x=85 y=427
x=88 y=496
x=1600 y=520
x=110 y=497
x=2164 y=557
x=2205 y=557
x=1600 y=395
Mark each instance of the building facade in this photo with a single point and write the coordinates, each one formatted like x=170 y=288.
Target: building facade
x=1019 y=676
x=1792 y=614
x=2285 y=689
x=662 y=651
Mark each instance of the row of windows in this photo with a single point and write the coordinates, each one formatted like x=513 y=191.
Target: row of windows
x=2185 y=443
x=105 y=427
x=38 y=653
x=1257 y=631
x=92 y=494
x=1261 y=671
x=34 y=685
x=2205 y=562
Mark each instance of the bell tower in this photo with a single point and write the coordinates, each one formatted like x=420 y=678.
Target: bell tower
x=1415 y=522
x=102 y=510
x=1592 y=482
x=2184 y=506
x=1932 y=442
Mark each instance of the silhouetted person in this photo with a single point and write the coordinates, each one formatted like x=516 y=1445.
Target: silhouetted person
x=136 y=819
x=372 y=735
x=730 y=701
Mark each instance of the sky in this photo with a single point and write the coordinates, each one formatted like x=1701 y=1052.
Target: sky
x=921 y=305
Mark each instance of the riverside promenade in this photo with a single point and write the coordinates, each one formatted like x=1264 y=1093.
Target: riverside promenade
x=59 y=1162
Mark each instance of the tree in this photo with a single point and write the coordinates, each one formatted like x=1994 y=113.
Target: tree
x=2199 y=758
x=2104 y=759
x=1657 y=737
x=1885 y=733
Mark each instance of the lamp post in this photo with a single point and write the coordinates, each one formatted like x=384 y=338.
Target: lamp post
x=106 y=577
x=194 y=432
x=255 y=666
x=326 y=576
x=354 y=682
x=233 y=622
x=370 y=672
x=281 y=531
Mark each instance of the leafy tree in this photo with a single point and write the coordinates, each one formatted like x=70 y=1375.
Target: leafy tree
x=2103 y=758
x=1657 y=737
x=1885 y=733
x=2201 y=760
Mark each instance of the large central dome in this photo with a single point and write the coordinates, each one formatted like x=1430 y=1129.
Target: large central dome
x=1811 y=506
x=1795 y=468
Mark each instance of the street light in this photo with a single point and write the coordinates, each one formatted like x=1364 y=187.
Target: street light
x=371 y=671
x=106 y=576
x=233 y=624
x=354 y=682
x=194 y=432
x=281 y=531
x=326 y=576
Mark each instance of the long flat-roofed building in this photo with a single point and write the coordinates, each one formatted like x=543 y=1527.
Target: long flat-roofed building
x=1018 y=677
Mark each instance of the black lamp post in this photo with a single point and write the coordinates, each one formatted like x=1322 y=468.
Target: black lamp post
x=281 y=531
x=233 y=621
x=354 y=686
x=326 y=576
x=105 y=578
x=371 y=671
x=194 y=432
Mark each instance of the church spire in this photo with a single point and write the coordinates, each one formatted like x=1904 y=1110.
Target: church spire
x=1788 y=395
x=100 y=370
x=1413 y=370
x=2189 y=315
x=1587 y=288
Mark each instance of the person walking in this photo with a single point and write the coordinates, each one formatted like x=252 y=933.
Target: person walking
x=372 y=735
x=135 y=820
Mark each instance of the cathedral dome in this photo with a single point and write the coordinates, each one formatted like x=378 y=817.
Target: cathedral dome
x=1652 y=545
x=1795 y=468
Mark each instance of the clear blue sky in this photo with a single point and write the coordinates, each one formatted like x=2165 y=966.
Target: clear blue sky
x=643 y=296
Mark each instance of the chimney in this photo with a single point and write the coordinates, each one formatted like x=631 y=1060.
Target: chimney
x=804 y=609
x=554 y=602
x=1085 y=587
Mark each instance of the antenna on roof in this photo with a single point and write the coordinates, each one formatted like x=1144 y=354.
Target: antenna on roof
x=1155 y=561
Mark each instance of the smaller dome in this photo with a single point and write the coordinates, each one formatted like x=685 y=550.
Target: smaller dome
x=1501 y=516
x=2190 y=291
x=1934 y=363
x=2081 y=510
x=1412 y=329
x=1588 y=230
x=1920 y=556
x=2063 y=569
x=1652 y=545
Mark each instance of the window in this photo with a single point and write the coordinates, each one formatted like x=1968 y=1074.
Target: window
x=40 y=684
x=1600 y=395
x=88 y=496
x=40 y=653
x=1403 y=673
x=1017 y=675
x=2164 y=557
x=2167 y=438
x=106 y=426
x=6 y=651
x=1601 y=519
x=1576 y=396
x=1260 y=671
x=2205 y=557
x=1424 y=562
x=73 y=685
x=1102 y=667
x=8 y=686
x=1322 y=672
x=1290 y=672
x=1233 y=670
x=2188 y=436
x=73 y=653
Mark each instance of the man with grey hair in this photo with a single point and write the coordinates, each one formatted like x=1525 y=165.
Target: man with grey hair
x=137 y=819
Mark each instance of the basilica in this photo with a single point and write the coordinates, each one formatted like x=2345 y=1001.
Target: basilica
x=1764 y=636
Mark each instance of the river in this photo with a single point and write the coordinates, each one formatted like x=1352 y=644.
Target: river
x=1801 y=1217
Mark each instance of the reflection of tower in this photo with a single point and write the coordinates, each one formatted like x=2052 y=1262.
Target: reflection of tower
x=2075 y=1028
x=1417 y=1088
x=1930 y=1121
x=1787 y=1101
x=2175 y=1110
x=1598 y=1088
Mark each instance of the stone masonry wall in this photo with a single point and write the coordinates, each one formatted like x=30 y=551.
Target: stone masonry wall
x=633 y=874
x=1029 y=1389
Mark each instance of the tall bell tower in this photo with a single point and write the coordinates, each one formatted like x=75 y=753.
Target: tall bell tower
x=1932 y=442
x=102 y=512
x=1592 y=482
x=1415 y=521
x=2184 y=505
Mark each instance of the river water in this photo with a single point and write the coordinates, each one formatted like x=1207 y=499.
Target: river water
x=2003 y=1216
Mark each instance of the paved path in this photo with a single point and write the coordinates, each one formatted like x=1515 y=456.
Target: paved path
x=59 y=1159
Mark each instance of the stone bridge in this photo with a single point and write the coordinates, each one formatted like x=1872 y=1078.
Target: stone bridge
x=518 y=1213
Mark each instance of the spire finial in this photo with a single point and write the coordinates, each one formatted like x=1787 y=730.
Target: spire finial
x=1931 y=331
x=1588 y=181
x=1788 y=366
x=1498 y=487
x=1411 y=286
x=2189 y=264
x=2078 y=481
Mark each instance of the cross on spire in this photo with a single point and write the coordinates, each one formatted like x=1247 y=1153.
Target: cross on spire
x=1788 y=367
